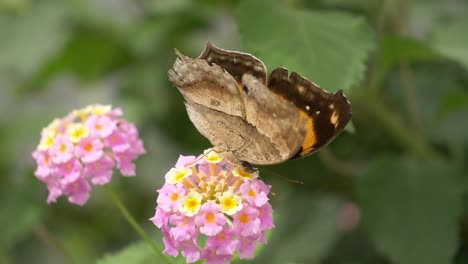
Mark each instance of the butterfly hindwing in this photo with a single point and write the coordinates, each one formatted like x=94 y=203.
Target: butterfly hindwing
x=327 y=114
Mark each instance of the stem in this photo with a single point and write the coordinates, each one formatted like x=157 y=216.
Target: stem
x=393 y=123
x=412 y=104
x=336 y=165
x=131 y=220
x=44 y=235
x=408 y=138
x=373 y=76
x=400 y=20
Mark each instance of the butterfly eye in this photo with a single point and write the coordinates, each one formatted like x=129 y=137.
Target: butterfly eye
x=245 y=89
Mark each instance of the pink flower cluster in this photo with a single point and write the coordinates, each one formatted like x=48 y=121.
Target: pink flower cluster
x=85 y=146
x=211 y=198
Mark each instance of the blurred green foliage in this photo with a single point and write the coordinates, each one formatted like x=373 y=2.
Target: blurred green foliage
x=403 y=172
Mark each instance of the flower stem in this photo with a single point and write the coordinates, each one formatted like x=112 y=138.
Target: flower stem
x=131 y=220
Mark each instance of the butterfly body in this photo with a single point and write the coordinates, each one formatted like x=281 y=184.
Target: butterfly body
x=251 y=119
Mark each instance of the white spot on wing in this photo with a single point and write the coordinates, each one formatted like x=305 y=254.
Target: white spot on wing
x=334 y=119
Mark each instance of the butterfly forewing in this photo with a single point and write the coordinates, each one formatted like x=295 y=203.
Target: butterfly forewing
x=235 y=63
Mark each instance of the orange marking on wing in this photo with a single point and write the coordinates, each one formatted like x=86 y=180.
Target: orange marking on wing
x=239 y=86
x=310 y=139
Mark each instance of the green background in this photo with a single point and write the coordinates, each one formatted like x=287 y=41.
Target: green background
x=391 y=189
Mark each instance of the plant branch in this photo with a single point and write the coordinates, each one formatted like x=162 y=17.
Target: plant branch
x=131 y=220
x=333 y=163
x=394 y=124
x=43 y=234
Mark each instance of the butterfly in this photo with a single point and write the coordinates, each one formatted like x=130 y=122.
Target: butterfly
x=252 y=119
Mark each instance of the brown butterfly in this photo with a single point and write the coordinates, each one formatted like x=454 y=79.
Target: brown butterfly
x=252 y=119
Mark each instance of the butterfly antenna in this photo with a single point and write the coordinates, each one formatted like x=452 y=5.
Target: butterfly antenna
x=229 y=174
x=198 y=158
x=284 y=177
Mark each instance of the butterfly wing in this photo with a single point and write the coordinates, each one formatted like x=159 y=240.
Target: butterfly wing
x=235 y=63
x=273 y=118
x=327 y=114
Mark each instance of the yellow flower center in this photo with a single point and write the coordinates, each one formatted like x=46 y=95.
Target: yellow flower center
x=221 y=236
x=229 y=203
x=252 y=193
x=179 y=176
x=63 y=148
x=98 y=126
x=192 y=204
x=68 y=167
x=210 y=218
x=212 y=157
x=88 y=147
x=47 y=142
x=77 y=131
x=244 y=218
x=176 y=175
x=174 y=197
x=239 y=172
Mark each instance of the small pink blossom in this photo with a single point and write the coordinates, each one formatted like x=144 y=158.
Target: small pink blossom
x=90 y=149
x=169 y=197
x=350 y=216
x=78 y=191
x=160 y=218
x=85 y=145
x=190 y=250
x=125 y=163
x=247 y=222
x=202 y=200
x=169 y=247
x=99 y=171
x=184 y=227
x=44 y=164
x=212 y=256
x=70 y=171
x=54 y=192
x=210 y=219
x=247 y=246
x=254 y=193
x=223 y=243
x=184 y=161
x=62 y=150
x=264 y=214
x=118 y=141
x=100 y=126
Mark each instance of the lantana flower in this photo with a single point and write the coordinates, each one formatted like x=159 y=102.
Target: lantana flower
x=210 y=210
x=84 y=147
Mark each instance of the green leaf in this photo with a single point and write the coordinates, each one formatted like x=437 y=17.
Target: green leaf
x=329 y=48
x=103 y=53
x=451 y=40
x=395 y=49
x=303 y=230
x=411 y=209
x=21 y=212
x=137 y=253
x=29 y=39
